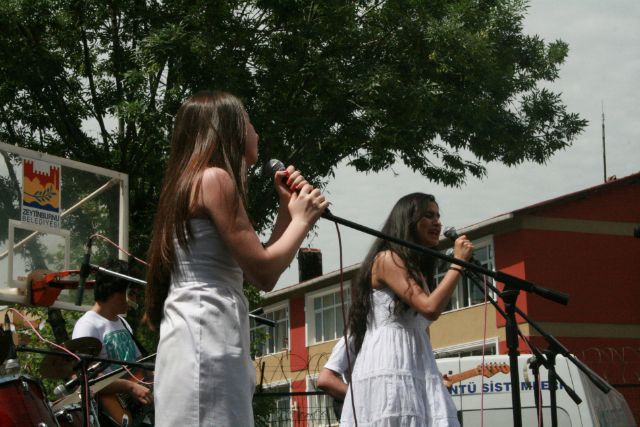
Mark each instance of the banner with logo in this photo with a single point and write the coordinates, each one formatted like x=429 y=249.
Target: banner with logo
x=40 y=193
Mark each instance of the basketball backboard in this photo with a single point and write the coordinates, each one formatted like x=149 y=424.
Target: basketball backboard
x=49 y=207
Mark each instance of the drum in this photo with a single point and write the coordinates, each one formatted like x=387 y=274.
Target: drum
x=23 y=402
x=70 y=416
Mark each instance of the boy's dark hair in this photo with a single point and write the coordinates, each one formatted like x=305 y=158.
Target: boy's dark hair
x=107 y=285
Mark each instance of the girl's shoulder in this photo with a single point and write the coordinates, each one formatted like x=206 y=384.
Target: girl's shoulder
x=218 y=181
x=215 y=173
x=217 y=194
x=385 y=265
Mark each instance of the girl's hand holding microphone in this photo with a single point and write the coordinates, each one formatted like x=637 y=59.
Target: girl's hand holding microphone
x=304 y=202
x=288 y=182
x=462 y=249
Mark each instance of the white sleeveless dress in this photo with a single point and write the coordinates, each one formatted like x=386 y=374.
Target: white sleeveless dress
x=204 y=374
x=395 y=379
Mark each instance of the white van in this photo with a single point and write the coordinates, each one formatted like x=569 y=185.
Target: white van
x=596 y=410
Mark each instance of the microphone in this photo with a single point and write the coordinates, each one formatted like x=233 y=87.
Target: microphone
x=66 y=389
x=85 y=269
x=12 y=366
x=274 y=166
x=451 y=234
x=131 y=303
x=442 y=262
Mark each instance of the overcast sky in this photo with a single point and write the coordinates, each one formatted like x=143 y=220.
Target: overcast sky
x=603 y=66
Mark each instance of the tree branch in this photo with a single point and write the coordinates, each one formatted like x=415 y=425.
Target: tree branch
x=117 y=65
x=98 y=112
x=46 y=81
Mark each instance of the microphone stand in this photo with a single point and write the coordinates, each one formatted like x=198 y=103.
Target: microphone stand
x=548 y=362
x=507 y=279
x=513 y=285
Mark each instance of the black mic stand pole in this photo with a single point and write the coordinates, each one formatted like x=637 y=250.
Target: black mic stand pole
x=555 y=346
x=553 y=386
x=540 y=358
x=507 y=279
x=534 y=365
x=513 y=285
x=510 y=297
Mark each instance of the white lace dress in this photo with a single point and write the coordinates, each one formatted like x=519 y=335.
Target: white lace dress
x=204 y=374
x=395 y=379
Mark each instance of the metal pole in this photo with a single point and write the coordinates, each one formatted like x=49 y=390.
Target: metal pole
x=604 y=151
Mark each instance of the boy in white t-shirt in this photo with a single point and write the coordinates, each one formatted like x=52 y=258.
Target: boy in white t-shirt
x=112 y=297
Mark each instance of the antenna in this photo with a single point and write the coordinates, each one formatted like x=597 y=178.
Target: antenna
x=604 y=151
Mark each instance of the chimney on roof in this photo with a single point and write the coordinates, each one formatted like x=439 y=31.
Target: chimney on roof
x=309 y=264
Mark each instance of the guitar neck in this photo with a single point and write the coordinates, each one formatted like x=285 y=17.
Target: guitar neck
x=463 y=375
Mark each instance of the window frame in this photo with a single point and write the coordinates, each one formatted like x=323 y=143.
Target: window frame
x=311 y=380
x=281 y=383
x=267 y=329
x=310 y=321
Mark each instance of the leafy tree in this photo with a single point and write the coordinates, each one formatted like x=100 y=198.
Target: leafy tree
x=371 y=81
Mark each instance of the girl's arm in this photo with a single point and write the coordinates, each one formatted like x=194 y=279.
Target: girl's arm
x=389 y=271
x=261 y=266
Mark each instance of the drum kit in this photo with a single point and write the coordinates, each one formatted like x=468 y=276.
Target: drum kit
x=23 y=400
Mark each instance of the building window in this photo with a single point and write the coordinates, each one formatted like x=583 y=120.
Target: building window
x=281 y=416
x=278 y=337
x=467 y=294
x=320 y=410
x=324 y=314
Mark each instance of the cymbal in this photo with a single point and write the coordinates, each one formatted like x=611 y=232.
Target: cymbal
x=54 y=367
x=84 y=345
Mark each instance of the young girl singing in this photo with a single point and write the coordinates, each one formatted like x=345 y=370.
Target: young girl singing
x=203 y=244
x=395 y=380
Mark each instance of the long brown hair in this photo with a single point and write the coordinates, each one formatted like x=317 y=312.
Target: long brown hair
x=209 y=131
x=401 y=223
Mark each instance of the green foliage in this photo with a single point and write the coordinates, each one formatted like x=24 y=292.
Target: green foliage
x=263 y=407
x=374 y=82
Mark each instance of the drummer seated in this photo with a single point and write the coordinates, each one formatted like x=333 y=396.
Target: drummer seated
x=112 y=298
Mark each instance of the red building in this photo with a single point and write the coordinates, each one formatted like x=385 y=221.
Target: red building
x=581 y=244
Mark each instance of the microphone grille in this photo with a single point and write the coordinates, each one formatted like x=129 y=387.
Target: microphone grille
x=274 y=166
x=450 y=233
